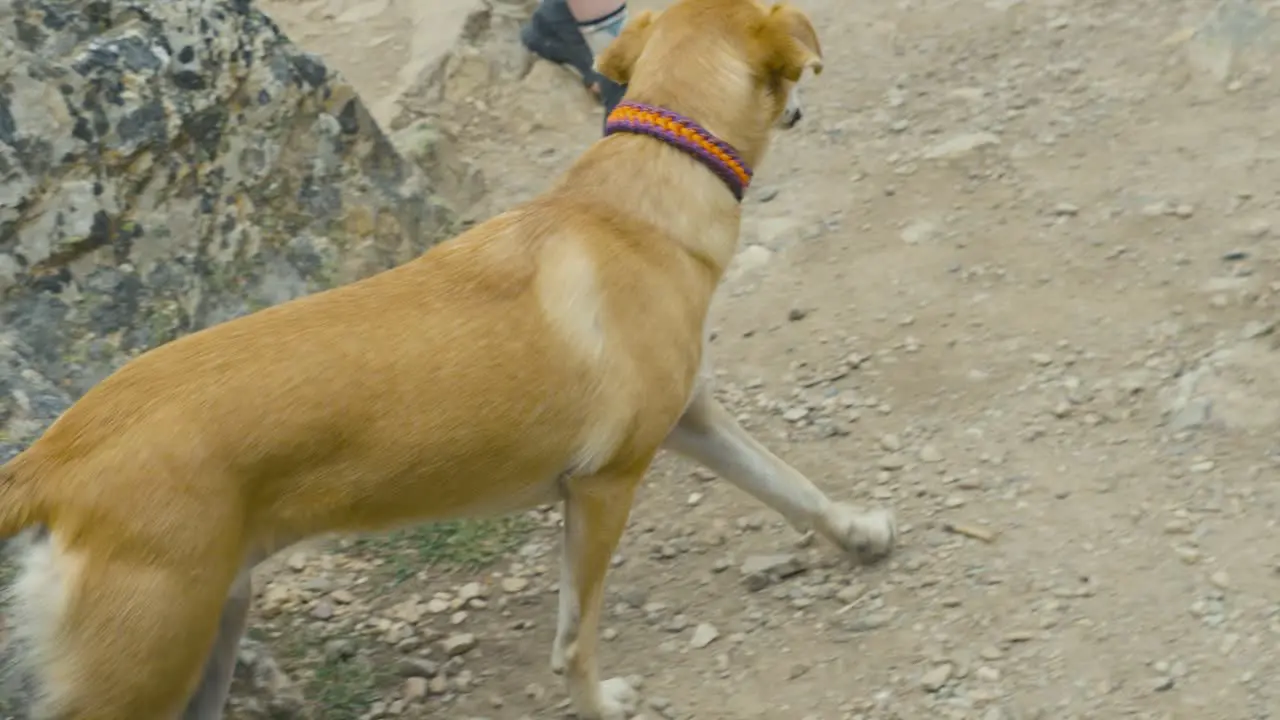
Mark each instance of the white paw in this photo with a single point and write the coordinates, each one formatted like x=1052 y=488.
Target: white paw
x=558 y=659
x=617 y=701
x=868 y=536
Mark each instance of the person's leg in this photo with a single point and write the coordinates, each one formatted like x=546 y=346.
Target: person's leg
x=571 y=32
x=599 y=21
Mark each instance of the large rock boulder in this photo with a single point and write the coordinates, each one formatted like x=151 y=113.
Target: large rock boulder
x=166 y=165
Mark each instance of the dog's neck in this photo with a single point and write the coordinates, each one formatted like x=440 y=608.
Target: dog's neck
x=669 y=188
x=685 y=135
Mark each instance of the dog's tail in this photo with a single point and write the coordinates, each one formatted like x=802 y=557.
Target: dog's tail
x=18 y=506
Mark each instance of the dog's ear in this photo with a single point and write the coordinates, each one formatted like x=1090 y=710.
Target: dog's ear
x=619 y=58
x=792 y=42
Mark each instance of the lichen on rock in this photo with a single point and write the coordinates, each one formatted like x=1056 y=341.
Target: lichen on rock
x=168 y=165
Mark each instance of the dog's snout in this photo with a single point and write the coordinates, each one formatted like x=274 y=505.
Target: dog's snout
x=793 y=111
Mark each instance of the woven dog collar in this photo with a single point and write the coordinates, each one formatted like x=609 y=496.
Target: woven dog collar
x=682 y=133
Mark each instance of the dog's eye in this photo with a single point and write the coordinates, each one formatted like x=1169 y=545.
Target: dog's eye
x=773 y=85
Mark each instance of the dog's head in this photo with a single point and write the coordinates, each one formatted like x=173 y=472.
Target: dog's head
x=739 y=61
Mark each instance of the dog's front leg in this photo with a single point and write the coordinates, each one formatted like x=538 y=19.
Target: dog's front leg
x=596 y=511
x=708 y=434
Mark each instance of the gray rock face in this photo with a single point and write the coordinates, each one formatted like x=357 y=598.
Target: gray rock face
x=168 y=165
x=28 y=401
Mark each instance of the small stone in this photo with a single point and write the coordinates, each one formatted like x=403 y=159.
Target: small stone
x=891 y=442
x=623 y=692
x=471 y=591
x=514 y=584
x=760 y=571
x=750 y=259
x=417 y=667
x=935 y=679
x=988 y=674
x=1193 y=414
x=703 y=635
x=918 y=232
x=1256 y=328
x=1156 y=209
x=415 y=688
x=339 y=650
x=297 y=562
x=1220 y=580
x=850 y=593
x=323 y=610
x=930 y=454
x=892 y=461
x=959 y=146
x=458 y=644
x=1256 y=229
x=795 y=414
x=463 y=682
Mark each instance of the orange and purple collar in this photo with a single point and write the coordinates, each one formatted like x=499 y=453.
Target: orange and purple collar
x=683 y=134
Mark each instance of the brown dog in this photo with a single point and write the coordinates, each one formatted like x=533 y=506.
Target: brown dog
x=545 y=355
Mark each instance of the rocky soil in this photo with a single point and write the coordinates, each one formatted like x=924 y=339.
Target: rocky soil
x=1015 y=276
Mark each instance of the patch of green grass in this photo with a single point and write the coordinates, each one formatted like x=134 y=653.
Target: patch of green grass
x=346 y=688
x=461 y=544
x=346 y=685
x=341 y=686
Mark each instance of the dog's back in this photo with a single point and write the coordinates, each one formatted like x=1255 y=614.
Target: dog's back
x=468 y=382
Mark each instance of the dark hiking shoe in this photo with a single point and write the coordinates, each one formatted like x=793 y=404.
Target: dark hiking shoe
x=552 y=34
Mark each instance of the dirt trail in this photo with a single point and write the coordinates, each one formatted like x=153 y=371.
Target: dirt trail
x=1015 y=275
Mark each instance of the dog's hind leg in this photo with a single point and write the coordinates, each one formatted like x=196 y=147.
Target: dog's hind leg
x=567 y=611
x=120 y=636
x=708 y=434
x=210 y=698
x=596 y=511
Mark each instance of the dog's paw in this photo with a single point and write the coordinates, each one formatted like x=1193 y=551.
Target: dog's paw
x=558 y=662
x=869 y=536
x=616 y=700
